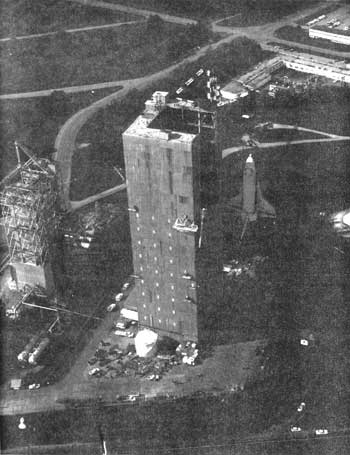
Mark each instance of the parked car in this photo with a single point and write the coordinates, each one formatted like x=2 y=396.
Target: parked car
x=126 y=286
x=112 y=307
x=321 y=431
x=33 y=386
x=122 y=323
x=94 y=372
x=119 y=297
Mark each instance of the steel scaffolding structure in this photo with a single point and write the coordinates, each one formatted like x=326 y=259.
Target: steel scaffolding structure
x=27 y=202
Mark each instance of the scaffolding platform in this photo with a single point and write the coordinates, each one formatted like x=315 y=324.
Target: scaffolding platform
x=28 y=214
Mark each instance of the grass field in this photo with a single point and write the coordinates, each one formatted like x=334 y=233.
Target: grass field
x=227 y=60
x=94 y=56
x=35 y=122
x=24 y=17
x=253 y=12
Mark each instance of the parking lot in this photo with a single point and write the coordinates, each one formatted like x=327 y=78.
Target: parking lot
x=340 y=17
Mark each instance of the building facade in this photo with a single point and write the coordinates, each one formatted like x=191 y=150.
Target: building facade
x=163 y=184
x=335 y=36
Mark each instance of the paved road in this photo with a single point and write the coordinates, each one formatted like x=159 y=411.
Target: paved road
x=269 y=145
x=69 y=30
x=306 y=443
x=141 y=12
x=75 y=205
x=280 y=126
x=264 y=34
x=65 y=141
x=73 y=89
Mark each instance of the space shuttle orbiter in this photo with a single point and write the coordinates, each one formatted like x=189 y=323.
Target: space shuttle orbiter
x=250 y=201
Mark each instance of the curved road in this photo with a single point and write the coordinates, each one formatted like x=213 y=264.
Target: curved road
x=65 y=141
x=69 y=30
x=264 y=34
x=141 y=12
x=280 y=126
x=265 y=145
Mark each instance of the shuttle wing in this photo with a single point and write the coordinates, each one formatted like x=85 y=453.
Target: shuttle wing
x=264 y=208
x=237 y=201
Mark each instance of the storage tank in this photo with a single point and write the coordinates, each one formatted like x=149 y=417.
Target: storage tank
x=34 y=356
x=23 y=356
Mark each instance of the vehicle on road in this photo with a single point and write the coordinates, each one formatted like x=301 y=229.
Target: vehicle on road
x=321 y=431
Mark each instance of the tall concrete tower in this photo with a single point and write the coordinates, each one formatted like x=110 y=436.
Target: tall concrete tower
x=163 y=150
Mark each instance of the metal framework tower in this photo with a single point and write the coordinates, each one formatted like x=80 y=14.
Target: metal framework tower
x=27 y=201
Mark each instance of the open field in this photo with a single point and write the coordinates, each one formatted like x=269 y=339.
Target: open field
x=264 y=11
x=104 y=130
x=24 y=17
x=94 y=56
x=299 y=35
x=36 y=122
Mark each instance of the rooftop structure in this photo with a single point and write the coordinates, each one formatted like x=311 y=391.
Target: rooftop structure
x=27 y=202
x=261 y=75
x=322 y=66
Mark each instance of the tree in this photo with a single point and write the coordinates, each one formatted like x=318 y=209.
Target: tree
x=155 y=25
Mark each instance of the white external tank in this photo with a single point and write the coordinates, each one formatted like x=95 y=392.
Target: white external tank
x=23 y=356
x=145 y=343
x=34 y=356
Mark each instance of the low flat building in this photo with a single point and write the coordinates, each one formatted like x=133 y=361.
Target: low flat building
x=261 y=75
x=336 y=36
x=322 y=66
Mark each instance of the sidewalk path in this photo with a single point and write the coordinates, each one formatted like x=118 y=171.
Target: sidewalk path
x=69 y=30
x=141 y=12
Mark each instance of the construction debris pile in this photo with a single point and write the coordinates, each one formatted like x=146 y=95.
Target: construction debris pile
x=188 y=352
x=111 y=361
x=236 y=268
